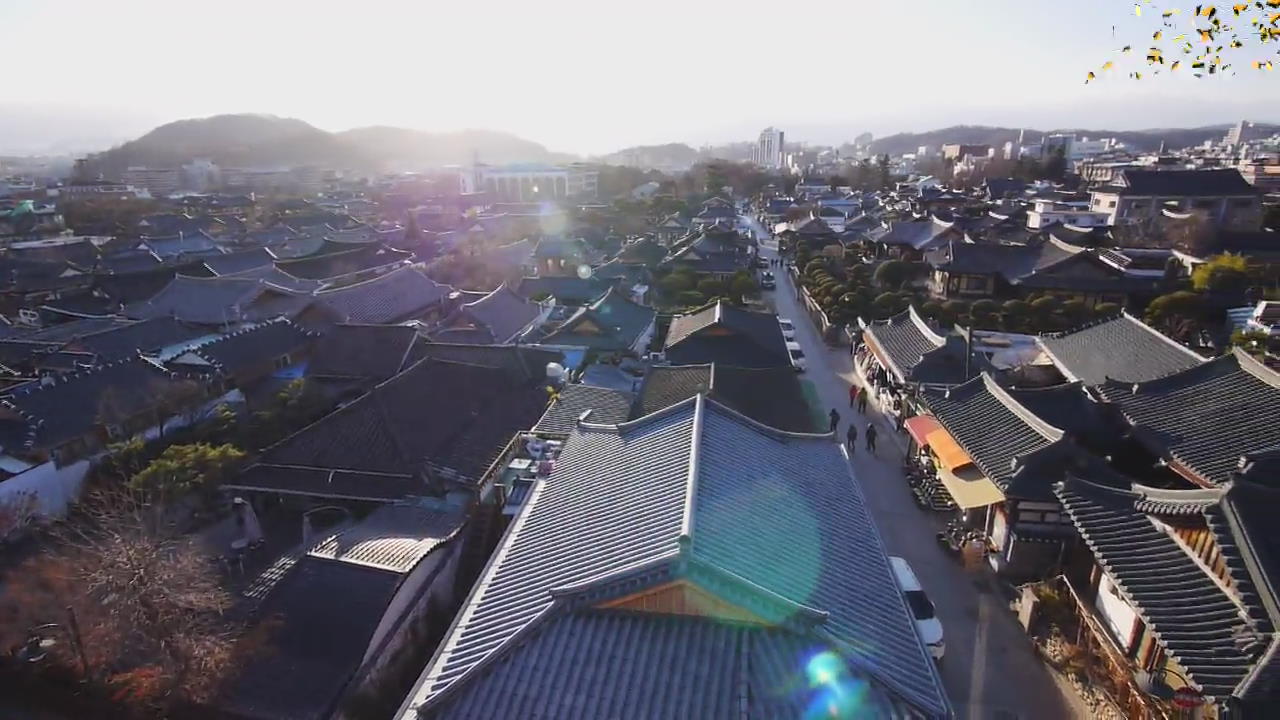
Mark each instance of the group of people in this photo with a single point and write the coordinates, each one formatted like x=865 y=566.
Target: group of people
x=858 y=399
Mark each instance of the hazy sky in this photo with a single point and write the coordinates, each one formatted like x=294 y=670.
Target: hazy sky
x=594 y=76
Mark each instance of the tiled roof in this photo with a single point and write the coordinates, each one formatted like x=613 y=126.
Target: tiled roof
x=1185 y=183
x=755 y=339
x=216 y=301
x=367 y=352
x=348 y=262
x=770 y=396
x=502 y=312
x=75 y=404
x=523 y=361
x=238 y=262
x=994 y=429
x=1203 y=627
x=392 y=537
x=917 y=353
x=396 y=296
x=611 y=323
x=145 y=336
x=323 y=615
x=657 y=667
x=601 y=406
x=1122 y=348
x=916 y=234
x=197 y=243
x=253 y=345
x=128 y=261
x=449 y=415
x=767 y=520
x=567 y=289
x=1207 y=417
x=1013 y=262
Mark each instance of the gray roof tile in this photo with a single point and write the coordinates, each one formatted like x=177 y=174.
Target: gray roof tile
x=1121 y=348
x=1207 y=417
x=793 y=542
x=604 y=405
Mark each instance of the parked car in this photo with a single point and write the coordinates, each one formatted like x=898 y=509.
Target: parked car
x=767 y=282
x=788 y=329
x=761 y=262
x=798 y=360
x=927 y=623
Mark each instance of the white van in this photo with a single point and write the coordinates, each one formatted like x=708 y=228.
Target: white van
x=788 y=329
x=797 y=356
x=927 y=623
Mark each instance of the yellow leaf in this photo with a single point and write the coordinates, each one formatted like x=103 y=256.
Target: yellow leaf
x=1107 y=65
x=1156 y=36
x=1175 y=65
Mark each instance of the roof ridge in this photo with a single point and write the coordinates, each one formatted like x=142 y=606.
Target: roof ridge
x=618 y=428
x=685 y=538
x=1048 y=431
x=1256 y=368
x=924 y=328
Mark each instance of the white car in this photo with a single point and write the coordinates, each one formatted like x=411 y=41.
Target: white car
x=927 y=623
x=797 y=356
x=788 y=329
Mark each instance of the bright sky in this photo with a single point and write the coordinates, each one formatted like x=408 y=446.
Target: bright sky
x=596 y=76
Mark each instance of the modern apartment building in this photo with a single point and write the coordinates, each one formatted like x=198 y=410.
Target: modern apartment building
x=769 y=149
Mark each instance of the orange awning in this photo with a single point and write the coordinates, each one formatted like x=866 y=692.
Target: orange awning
x=950 y=454
x=920 y=426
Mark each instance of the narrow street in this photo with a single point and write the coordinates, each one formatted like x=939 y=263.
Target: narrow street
x=990 y=669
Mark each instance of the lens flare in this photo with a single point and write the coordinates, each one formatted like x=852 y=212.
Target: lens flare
x=584 y=272
x=835 y=693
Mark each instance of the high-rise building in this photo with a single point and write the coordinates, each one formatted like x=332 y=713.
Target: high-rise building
x=769 y=149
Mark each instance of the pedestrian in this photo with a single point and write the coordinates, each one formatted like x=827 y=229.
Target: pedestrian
x=853 y=394
x=871 y=438
x=862 y=403
x=852 y=438
x=835 y=419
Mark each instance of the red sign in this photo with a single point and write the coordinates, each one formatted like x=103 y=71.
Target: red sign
x=1187 y=697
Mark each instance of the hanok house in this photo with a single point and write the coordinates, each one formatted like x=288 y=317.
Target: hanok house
x=903 y=352
x=911 y=239
x=997 y=453
x=248 y=357
x=1047 y=267
x=362 y=262
x=1221 y=196
x=722 y=333
x=770 y=396
x=1178 y=589
x=611 y=325
x=713 y=252
x=1201 y=421
x=434 y=428
x=496 y=318
x=672 y=228
x=220 y=302
x=692 y=563
x=351 y=358
x=341 y=620
x=399 y=296
x=51 y=428
x=1121 y=348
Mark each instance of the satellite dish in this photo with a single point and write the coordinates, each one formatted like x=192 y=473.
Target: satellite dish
x=555 y=371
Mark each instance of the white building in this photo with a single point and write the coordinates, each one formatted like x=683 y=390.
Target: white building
x=531 y=182
x=157 y=181
x=1072 y=214
x=770 y=149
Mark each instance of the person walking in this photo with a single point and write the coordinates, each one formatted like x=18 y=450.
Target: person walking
x=835 y=420
x=871 y=438
x=851 y=437
x=862 y=402
x=853 y=394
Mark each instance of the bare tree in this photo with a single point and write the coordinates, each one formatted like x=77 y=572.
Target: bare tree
x=142 y=607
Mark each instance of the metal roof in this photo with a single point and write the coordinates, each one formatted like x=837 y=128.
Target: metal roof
x=767 y=520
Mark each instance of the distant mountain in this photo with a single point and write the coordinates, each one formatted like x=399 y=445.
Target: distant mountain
x=266 y=141
x=1174 y=138
x=669 y=155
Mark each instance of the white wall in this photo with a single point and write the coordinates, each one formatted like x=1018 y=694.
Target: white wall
x=46 y=490
x=1120 y=617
